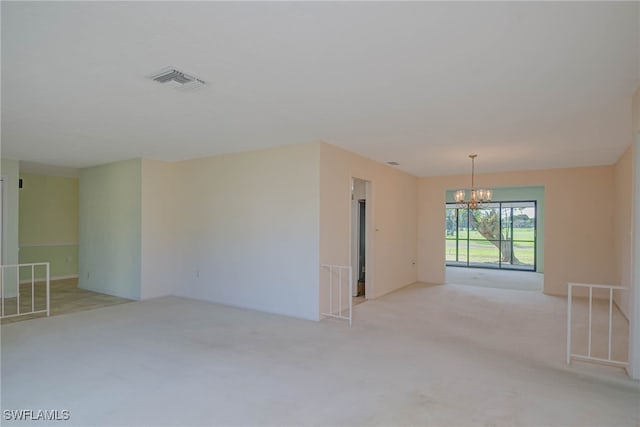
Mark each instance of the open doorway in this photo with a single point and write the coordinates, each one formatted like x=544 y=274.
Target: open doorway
x=47 y=230
x=359 y=191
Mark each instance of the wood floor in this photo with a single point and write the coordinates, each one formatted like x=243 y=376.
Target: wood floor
x=65 y=298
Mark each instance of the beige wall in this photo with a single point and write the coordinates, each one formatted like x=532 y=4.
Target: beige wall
x=392 y=209
x=578 y=241
x=634 y=301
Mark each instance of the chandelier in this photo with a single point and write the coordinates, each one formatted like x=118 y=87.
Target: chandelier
x=478 y=197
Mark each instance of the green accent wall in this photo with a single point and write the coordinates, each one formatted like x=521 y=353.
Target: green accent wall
x=63 y=260
x=521 y=194
x=48 y=226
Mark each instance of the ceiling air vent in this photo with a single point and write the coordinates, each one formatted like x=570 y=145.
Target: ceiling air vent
x=177 y=79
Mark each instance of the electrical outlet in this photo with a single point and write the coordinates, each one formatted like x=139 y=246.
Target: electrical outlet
x=88 y=275
x=197 y=274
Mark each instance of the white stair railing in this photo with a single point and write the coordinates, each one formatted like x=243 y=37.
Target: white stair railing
x=10 y=284
x=589 y=357
x=336 y=292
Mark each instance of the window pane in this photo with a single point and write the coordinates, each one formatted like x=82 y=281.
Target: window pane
x=483 y=253
x=462 y=223
x=527 y=234
x=462 y=251
x=485 y=224
x=506 y=255
x=524 y=221
x=499 y=235
x=524 y=252
x=451 y=250
x=450 y=223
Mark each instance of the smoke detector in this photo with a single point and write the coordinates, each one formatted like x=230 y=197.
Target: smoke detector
x=177 y=79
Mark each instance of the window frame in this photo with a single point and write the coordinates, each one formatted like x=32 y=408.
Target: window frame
x=500 y=265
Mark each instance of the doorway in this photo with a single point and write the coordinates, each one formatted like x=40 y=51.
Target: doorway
x=359 y=221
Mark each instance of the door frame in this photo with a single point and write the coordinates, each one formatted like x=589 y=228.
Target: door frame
x=369 y=290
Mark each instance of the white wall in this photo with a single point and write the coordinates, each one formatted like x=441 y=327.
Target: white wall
x=247 y=228
x=157 y=229
x=242 y=229
x=391 y=208
x=9 y=170
x=110 y=228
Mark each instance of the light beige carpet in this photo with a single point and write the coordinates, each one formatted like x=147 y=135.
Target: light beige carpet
x=488 y=278
x=426 y=355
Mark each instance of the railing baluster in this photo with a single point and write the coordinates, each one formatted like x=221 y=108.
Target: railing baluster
x=339 y=291
x=3 y=290
x=350 y=295
x=570 y=295
x=339 y=269
x=588 y=357
x=48 y=290
x=33 y=293
x=17 y=290
x=331 y=290
x=590 y=311
x=610 y=320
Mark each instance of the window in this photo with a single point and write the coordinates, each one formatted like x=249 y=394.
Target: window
x=500 y=235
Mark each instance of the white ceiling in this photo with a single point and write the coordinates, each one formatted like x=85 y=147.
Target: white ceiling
x=525 y=85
